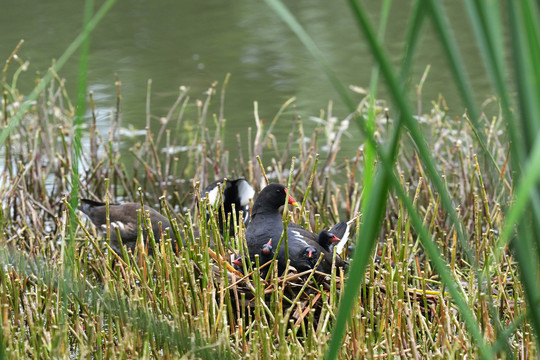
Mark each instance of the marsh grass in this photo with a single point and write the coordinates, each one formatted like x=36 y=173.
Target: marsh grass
x=519 y=114
x=189 y=301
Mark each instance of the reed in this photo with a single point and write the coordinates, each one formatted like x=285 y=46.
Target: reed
x=190 y=302
x=488 y=23
x=431 y=282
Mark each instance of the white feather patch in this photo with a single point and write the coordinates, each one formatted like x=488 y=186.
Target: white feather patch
x=114 y=224
x=245 y=192
x=213 y=195
x=341 y=244
x=299 y=236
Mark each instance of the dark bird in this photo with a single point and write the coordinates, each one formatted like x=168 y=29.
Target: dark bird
x=302 y=256
x=341 y=231
x=236 y=191
x=124 y=218
x=266 y=224
x=266 y=254
x=327 y=239
x=266 y=227
x=237 y=263
x=303 y=241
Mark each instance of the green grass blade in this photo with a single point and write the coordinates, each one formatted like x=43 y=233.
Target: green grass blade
x=418 y=15
x=486 y=35
x=369 y=231
x=369 y=150
x=525 y=34
x=459 y=71
x=77 y=125
x=400 y=99
x=453 y=55
x=515 y=215
x=528 y=92
x=525 y=40
x=528 y=266
x=310 y=45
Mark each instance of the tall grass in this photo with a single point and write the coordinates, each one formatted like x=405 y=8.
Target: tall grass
x=413 y=251
x=487 y=22
x=193 y=303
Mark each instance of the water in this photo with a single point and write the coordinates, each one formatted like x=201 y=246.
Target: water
x=195 y=43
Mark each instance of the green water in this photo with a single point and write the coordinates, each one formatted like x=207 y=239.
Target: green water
x=195 y=43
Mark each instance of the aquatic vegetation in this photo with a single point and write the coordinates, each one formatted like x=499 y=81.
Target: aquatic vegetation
x=438 y=200
x=190 y=299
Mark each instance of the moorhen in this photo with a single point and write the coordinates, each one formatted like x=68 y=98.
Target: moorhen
x=267 y=225
x=337 y=236
x=266 y=254
x=266 y=222
x=302 y=256
x=303 y=253
x=238 y=192
x=124 y=218
x=307 y=242
x=327 y=240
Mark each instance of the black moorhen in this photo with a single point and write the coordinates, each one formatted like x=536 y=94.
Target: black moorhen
x=305 y=240
x=238 y=192
x=341 y=231
x=266 y=254
x=302 y=256
x=267 y=224
x=124 y=218
x=327 y=239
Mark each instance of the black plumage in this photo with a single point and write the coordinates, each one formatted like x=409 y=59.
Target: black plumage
x=237 y=192
x=267 y=225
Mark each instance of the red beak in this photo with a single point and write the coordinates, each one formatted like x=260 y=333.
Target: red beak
x=291 y=199
x=237 y=261
x=267 y=248
x=334 y=239
x=310 y=253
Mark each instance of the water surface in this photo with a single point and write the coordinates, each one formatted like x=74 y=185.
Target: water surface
x=195 y=43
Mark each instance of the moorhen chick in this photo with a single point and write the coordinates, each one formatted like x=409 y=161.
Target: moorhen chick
x=302 y=256
x=124 y=218
x=307 y=244
x=266 y=254
x=238 y=192
x=327 y=240
x=267 y=225
x=337 y=236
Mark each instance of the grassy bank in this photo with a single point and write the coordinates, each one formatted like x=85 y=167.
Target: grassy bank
x=99 y=304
